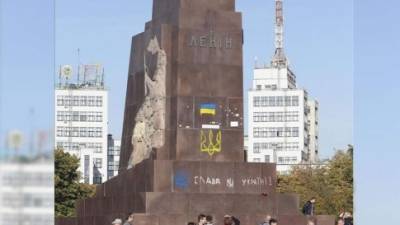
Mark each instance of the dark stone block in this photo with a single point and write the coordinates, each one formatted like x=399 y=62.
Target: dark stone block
x=89 y=207
x=288 y=204
x=108 y=204
x=325 y=220
x=144 y=219
x=80 y=208
x=293 y=220
x=163 y=181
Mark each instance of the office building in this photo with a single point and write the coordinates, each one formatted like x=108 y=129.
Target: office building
x=81 y=121
x=283 y=121
x=114 y=148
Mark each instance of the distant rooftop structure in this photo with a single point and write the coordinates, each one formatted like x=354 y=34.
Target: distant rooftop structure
x=279 y=59
x=87 y=76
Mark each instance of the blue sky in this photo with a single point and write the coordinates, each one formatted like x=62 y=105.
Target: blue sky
x=377 y=125
x=26 y=66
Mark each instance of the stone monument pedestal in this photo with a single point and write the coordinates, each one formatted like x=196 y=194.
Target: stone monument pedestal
x=169 y=192
x=182 y=143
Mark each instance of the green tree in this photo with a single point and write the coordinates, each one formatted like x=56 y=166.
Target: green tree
x=67 y=187
x=330 y=184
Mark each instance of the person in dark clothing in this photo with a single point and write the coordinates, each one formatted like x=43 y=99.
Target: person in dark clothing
x=309 y=207
x=209 y=220
x=273 y=222
x=236 y=221
x=266 y=220
x=129 y=219
x=228 y=220
x=348 y=220
x=201 y=219
x=191 y=223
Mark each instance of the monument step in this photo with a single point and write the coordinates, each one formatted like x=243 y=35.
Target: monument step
x=164 y=203
x=182 y=219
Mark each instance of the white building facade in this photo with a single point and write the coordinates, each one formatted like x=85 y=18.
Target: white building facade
x=114 y=149
x=81 y=124
x=27 y=192
x=283 y=121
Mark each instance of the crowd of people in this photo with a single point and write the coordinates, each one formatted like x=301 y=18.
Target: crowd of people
x=208 y=220
x=345 y=218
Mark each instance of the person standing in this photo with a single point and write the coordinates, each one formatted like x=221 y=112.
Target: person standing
x=348 y=218
x=309 y=207
x=340 y=221
x=209 y=220
x=273 y=222
x=228 y=220
x=310 y=222
x=117 y=222
x=266 y=220
x=201 y=219
x=129 y=220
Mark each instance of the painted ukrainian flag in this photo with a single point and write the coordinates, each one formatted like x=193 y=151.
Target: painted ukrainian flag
x=208 y=109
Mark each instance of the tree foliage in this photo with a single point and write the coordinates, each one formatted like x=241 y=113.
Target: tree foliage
x=67 y=187
x=330 y=184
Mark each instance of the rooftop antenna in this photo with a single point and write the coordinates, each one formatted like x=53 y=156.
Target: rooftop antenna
x=79 y=64
x=31 y=130
x=255 y=62
x=59 y=77
x=102 y=78
x=279 y=59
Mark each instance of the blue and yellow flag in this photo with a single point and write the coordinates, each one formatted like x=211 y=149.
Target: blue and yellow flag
x=208 y=109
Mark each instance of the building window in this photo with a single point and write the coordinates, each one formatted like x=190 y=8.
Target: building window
x=83 y=101
x=256 y=148
x=257 y=101
x=287 y=160
x=79 y=132
x=75 y=101
x=99 y=101
x=275 y=101
x=86 y=169
x=256 y=160
x=60 y=101
x=267 y=158
x=271 y=101
x=98 y=162
x=97 y=180
x=295 y=101
x=265 y=132
x=279 y=101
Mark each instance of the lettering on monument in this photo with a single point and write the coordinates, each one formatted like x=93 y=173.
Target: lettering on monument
x=257 y=181
x=211 y=40
x=230 y=182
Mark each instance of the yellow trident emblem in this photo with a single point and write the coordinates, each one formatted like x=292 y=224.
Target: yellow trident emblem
x=208 y=145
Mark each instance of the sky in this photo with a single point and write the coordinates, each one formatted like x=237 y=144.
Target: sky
x=37 y=35
x=26 y=68
x=377 y=124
